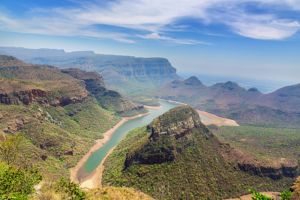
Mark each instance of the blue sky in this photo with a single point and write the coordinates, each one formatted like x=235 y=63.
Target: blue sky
x=257 y=39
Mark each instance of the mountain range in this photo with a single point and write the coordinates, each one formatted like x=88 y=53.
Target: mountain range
x=126 y=74
x=279 y=108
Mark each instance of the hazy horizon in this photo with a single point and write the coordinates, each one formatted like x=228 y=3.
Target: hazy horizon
x=252 y=39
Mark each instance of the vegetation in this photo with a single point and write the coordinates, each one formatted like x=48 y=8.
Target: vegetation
x=198 y=172
x=113 y=193
x=10 y=149
x=285 y=195
x=71 y=189
x=17 y=183
x=262 y=142
x=258 y=196
x=63 y=189
x=53 y=138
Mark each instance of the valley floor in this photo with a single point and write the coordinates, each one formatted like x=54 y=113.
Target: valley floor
x=94 y=180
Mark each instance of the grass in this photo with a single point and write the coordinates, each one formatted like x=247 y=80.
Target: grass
x=262 y=142
x=198 y=172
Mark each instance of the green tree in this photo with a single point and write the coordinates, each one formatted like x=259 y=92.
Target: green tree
x=10 y=149
x=72 y=190
x=286 y=195
x=16 y=183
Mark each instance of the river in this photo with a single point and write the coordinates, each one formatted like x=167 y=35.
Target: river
x=96 y=157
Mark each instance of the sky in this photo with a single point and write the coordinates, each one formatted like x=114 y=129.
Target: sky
x=253 y=39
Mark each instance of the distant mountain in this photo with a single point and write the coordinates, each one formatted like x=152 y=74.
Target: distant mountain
x=57 y=113
x=177 y=157
x=280 y=108
x=127 y=74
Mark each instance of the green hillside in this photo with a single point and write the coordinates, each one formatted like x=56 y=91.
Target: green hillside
x=197 y=171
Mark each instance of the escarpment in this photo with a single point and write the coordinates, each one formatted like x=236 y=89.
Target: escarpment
x=275 y=169
x=30 y=96
x=108 y=99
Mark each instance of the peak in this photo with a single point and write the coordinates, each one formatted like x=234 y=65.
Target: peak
x=253 y=90
x=193 y=80
x=176 y=122
x=229 y=85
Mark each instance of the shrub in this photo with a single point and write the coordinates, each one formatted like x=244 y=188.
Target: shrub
x=72 y=190
x=17 y=183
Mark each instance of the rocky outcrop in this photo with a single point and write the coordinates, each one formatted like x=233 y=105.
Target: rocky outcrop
x=27 y=97
x=175 y=123
x=165 y=131
x=15 y=125
x=275 y=169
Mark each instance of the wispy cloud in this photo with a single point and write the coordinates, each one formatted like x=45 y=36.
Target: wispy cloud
x=151 y=18
x=157 y=36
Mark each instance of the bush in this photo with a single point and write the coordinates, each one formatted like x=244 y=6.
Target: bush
x=17 y=183
x=286 y=195
x=258 y=196
x=72 y=190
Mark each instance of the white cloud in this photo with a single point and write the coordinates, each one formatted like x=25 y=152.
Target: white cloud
x=273 y=30
x=152 y=18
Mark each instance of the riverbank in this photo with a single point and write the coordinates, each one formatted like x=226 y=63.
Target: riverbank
x=152 y=107
x=211 y=119
x=208 y=118
x=75 y=171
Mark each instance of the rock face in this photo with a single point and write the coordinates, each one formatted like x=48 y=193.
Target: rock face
x=108 y=99
x=164 y=132
x=175 y=123
x=27 y=97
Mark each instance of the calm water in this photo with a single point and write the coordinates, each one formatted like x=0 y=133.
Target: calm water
x=95 y=159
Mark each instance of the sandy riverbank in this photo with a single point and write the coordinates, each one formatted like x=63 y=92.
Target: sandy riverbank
x=211 y=119
x=74 y=172
x=152 y=107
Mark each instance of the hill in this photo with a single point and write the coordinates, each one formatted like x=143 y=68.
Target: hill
x=177 y=157
x=229 y=100
x=126 y=74
x=55 y=114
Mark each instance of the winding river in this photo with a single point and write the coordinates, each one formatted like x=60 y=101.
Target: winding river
x=96 y=157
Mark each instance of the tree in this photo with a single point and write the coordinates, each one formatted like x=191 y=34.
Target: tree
x=17 y=183
x=10 y=149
